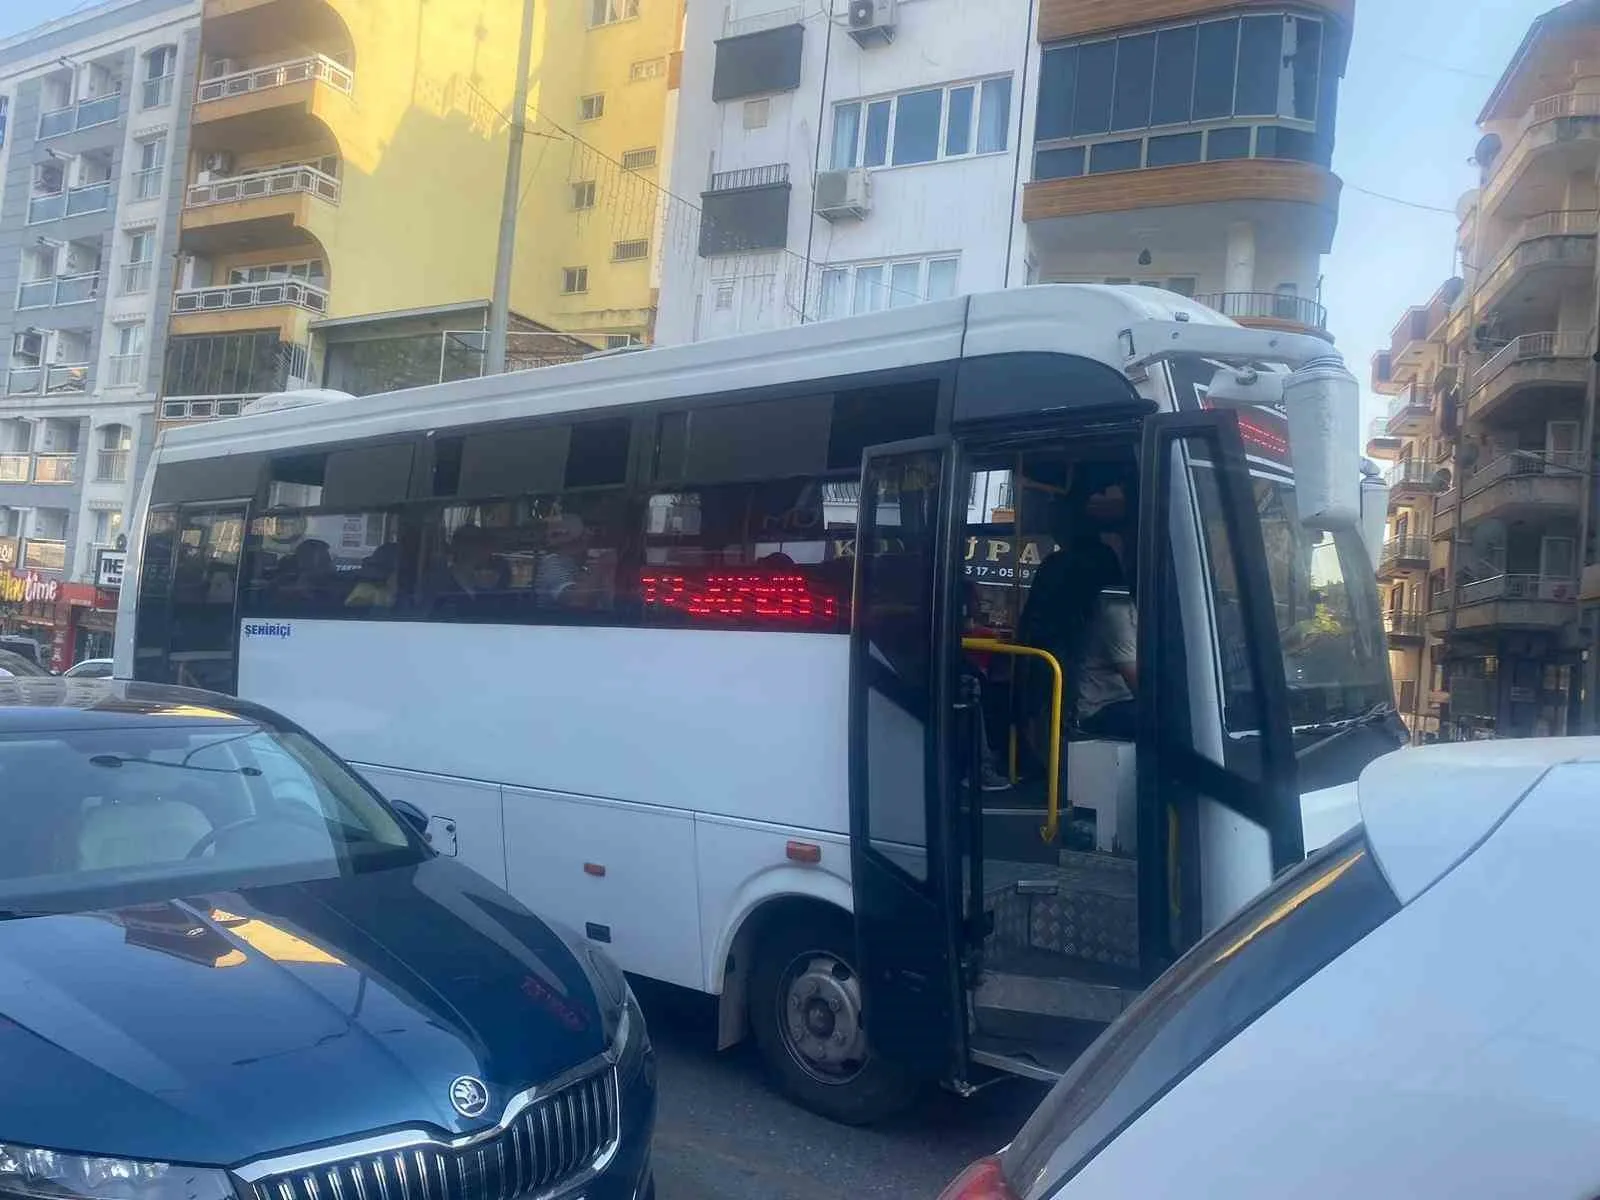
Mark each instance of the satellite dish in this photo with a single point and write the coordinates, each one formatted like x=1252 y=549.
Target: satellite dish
x=1488 y=149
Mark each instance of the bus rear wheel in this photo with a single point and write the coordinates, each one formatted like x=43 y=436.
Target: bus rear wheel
x=805 y=1007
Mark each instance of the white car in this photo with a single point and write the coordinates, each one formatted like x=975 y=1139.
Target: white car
x=1409 y=1013
x=89 y=668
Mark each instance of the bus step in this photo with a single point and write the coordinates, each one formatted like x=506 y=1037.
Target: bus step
x=1067 y=999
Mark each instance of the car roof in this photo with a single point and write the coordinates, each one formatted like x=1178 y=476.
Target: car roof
x=1428 y=807
x=54 y=703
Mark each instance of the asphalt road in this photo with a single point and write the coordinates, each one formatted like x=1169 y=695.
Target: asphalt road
x=723 y=1135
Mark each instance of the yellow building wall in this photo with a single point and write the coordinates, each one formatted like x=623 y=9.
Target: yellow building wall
x=423 y=139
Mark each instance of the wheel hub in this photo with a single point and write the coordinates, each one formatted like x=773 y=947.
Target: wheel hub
x=821 y=1000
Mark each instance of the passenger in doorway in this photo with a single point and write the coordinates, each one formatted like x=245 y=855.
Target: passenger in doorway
x=1106 y=668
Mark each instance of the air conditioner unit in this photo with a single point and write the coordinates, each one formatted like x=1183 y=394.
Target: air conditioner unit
x=216 y=164
x=28 y=344
x=871 y=22
x=843 y=195
x=216 y=68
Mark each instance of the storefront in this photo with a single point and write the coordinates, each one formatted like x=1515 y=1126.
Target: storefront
x=64 y=618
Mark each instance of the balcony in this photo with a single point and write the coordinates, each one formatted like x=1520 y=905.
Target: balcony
x=1410 y=413
x=307 y=84
x=59 y=289
x=1380 y=442
x=52 y=206
x=1270 y=310
x=1444 y=513
x=1531 y=602
x=1523 y=486
x=1411 y=477
x=1409 y=339
x=1409 y=553
x=85 y=114
x=745 y=211
x=1545 y=252
x=59 y=379
x=1562 y=129
x=54 y=468
x=271 y=293
x=15 y=468
x=223 y=213
x=1534 y=360
x=1405 y=627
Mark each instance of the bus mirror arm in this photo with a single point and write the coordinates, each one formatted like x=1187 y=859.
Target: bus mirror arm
x=1145 y=343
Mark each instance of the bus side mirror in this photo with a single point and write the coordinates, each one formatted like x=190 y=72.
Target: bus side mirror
x=412 y=816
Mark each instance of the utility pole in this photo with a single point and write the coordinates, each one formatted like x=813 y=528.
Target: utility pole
x=500 y=306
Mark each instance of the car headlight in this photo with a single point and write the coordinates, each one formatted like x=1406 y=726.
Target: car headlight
x=50 y=1175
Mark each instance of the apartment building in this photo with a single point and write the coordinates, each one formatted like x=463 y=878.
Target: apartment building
x=893 y=151
x=95 y=114
x=343 y=192
x=1511 y=397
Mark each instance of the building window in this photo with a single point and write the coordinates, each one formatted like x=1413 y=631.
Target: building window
x=308 y=270
x=160 y=66
x=923 y=126
x=757 y=113
x=874 y=286
x=647 y=68
x=107 y=526
x=574 y=280
x=1253 y=66
x=583 y=194
x=631 y=251
x=592 y=108
x=609 y=12
x=639 y=160
x=152 y=157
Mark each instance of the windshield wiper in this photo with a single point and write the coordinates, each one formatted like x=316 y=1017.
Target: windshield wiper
x=1331 y=731
x=120 y=760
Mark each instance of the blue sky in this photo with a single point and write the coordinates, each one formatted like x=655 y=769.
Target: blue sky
x=1419 y=73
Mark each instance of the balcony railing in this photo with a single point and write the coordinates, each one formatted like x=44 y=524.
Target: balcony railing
x=1522 y=463
x=1404 y=624
x=47 y=207
x=147 y=183
x=1542 y=112
x=24 y=381
x=45 y=554
x=54 y=468
x=85 y=113
x=91 y=197
x=125 y=369
x=1530 y=248
x=14 y=468
x=134 y=278
x=59 y=289
x=1519 y=587
x=266 y=294
x=1568 y=344
x=65 y=378
x=111 y=466
x=1411 y=402
x=750 y=177
x=1409 y=548
x=1267 y=306
x=157 y=93
x=277 y=182
x=1410 y=473
x=276 y=75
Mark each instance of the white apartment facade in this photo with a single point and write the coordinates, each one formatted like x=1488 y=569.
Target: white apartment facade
x=899 y=150
x=96 y=107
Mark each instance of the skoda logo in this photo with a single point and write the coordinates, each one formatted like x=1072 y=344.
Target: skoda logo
x=469 y=1096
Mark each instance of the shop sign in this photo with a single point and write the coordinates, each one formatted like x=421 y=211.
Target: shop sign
x=8 y=552
x=28 y=587
x=108 y=569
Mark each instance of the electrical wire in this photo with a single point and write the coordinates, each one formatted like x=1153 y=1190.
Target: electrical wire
x=1355 y=187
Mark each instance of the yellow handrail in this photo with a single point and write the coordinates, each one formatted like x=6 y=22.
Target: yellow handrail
x=1052 y=819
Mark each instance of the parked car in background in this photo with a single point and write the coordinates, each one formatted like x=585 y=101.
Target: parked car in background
x=220 y=948
x=14 y=665
x=89 y=668
x=1401 y=1015
x=27 y=647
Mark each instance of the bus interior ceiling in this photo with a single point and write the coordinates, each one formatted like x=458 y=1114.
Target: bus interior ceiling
x=1050 y=534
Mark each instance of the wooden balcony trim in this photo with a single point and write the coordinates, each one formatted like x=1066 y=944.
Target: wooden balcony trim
x=1189 y=184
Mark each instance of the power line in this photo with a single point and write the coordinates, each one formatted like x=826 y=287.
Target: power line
x=1355 y=187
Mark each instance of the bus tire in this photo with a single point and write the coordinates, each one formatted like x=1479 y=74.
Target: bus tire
x=805 y=1012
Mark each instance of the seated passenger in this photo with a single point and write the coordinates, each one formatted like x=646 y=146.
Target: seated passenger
x=378 y=579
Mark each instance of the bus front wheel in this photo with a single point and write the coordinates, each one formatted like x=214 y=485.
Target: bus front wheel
x=805 y=1009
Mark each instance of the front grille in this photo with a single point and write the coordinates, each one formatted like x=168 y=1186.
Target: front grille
x=548 y=1144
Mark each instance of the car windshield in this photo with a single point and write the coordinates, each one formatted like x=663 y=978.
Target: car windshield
x=103 y=817
x=14 y=666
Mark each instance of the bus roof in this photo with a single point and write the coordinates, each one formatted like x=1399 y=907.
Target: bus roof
x=1075 y=319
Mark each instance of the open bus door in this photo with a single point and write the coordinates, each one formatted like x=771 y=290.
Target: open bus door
x=1218 y=797
x=906 y=871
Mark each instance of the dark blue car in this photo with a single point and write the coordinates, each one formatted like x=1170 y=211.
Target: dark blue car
x=230 y=971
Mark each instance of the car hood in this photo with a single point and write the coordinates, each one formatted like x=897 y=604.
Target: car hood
x=220 y=1028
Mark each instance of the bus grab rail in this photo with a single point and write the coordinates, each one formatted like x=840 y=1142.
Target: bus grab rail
x=1052 y=816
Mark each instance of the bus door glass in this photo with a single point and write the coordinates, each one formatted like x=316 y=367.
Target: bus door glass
x=188 y=593
x=1225 y=817
x=906 y=883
